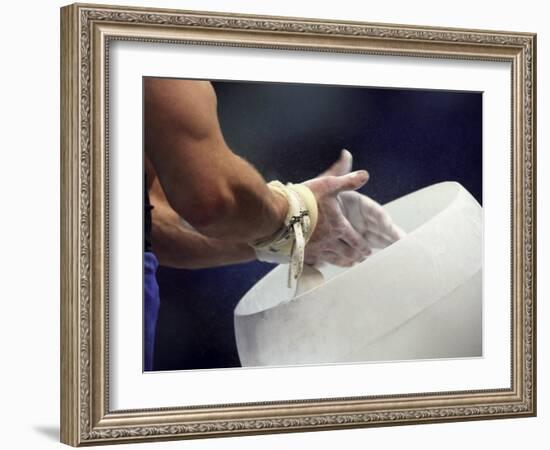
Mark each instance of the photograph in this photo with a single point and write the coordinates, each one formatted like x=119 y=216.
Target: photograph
x=279 y=224
x=289 y=224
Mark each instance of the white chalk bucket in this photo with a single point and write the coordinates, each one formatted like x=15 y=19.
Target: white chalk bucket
x=420 y=298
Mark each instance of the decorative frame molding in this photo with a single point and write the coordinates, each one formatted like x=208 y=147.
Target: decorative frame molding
x=86 y=31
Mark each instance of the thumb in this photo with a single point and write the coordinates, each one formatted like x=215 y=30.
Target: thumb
x=342 y=166
x=349 y=182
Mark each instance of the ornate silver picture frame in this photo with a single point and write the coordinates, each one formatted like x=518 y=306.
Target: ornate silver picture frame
x=87 y=33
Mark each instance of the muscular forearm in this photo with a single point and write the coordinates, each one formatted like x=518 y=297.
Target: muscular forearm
x=178 y=246
x=250 y=210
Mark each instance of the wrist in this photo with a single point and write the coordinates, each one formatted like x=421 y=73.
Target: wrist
x=280 y=203
x=286 y=245
x=277 y=218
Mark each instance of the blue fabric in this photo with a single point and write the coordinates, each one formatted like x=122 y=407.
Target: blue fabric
x=151 y=304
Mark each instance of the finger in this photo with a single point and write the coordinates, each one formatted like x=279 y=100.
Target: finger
x=375 y=240
x=352 y=238
x=370 y=209
x=349 y=182
x=319 y=264
x=386 y=227
x=335 y=259
x=342 y=248
x=375 y=214
x=310 y=260
x=395 y=232
x=342 y=166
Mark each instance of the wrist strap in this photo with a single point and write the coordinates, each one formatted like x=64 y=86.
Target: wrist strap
x=287 y=245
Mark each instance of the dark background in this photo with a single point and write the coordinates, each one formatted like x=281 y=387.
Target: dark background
x=406 y=139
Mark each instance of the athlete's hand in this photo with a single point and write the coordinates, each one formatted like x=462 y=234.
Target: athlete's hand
x=372 y=226
x=335 y=240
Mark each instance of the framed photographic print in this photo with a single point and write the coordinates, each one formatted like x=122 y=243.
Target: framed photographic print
x=275 y=224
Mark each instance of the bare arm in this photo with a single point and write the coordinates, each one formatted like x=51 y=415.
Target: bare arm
x=178 y=246
x=216 y=191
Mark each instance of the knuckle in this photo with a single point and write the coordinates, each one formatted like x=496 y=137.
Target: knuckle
x=386 y=219
x=377 y=214
x=349 y=252
x=353 y=240
x=340 y=230
x=365 y=249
